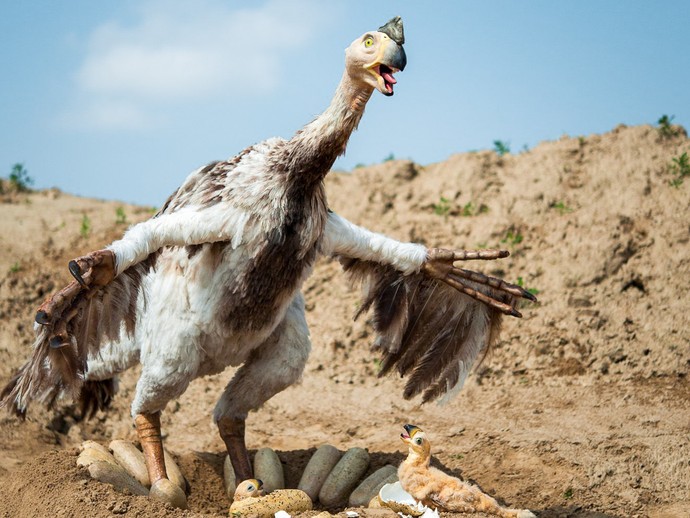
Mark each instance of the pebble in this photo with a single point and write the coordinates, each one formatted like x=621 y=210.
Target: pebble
x=269 y=469
x=344 y=477
x=319 y=467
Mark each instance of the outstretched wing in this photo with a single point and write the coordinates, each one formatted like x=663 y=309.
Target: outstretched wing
x=56 y=368
x=427 y=331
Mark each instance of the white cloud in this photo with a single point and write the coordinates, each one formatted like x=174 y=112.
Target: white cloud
x=179 y=51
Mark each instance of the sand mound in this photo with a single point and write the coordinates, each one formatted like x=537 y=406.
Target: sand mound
x=581 y=410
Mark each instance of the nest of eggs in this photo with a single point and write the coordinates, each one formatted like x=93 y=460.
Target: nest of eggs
x=331 y=479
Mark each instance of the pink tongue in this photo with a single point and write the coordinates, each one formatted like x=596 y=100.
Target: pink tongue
x=388 y=77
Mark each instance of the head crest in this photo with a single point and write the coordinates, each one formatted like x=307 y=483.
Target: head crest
x=394 y=30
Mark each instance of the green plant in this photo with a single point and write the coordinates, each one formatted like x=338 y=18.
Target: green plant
x=470 y=209
x=120 y=216
x=85 y=229
x=20 y=179
x=561 y=207
x=389 y=158
x=16 y=267
x=513 y=237
x=501 y=148
x=680 y=168
x=568 y=493
x=666 y=130
x=520 y=282
x=442 y=208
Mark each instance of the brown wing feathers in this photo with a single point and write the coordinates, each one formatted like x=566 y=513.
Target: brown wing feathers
x=426 y=330
x=52 y=371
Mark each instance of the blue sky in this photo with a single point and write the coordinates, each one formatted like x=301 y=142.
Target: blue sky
x=121 y=100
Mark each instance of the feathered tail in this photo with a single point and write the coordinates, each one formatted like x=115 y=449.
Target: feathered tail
x=53 y=371
x=426 y=329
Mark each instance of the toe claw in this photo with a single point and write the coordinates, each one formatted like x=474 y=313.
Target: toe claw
x=42 y=317
x=76 y=273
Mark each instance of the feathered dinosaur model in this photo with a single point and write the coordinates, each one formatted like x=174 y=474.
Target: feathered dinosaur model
x=214 y=280
x=436 y=489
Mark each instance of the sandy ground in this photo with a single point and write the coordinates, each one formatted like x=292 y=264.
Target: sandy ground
x=582 y=409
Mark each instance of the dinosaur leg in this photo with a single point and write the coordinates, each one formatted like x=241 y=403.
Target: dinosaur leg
x=148 y=427
x=232 y=432
x=440 y=265
x=272 y=367
x=149 y=431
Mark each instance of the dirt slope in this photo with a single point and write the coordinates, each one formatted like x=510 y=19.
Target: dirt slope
x=583 y=408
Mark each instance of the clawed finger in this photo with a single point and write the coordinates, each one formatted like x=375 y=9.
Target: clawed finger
x=449 y=256
x=56 y=304
x=494 y=282
x=481 y=297
x=75 y=270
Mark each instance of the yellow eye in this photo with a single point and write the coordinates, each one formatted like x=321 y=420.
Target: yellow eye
x=369 y=42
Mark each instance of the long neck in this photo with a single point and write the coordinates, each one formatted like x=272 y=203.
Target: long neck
x=417 y=460
x=311 y=152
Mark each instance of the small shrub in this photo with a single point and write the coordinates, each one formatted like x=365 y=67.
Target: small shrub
x=120 y=216
x=470 y=209
x=513 y=238
x=389 y=158
x=680 y=168
x=561 y=207
x=85 y=229
x=16 y=267
x=20 y=179
x=666 y=129
x=520 y=282
x=501 y=148
x=442 y=208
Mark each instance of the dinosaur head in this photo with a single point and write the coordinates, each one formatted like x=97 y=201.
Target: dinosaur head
x=374 y=57
x=249 y=488
x=416 y=441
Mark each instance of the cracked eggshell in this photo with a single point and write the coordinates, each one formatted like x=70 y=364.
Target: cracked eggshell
x=319 y=467
x=130 y=458
x=292 y=501
x=396 y=498
x=269 y=469
x=344 y=477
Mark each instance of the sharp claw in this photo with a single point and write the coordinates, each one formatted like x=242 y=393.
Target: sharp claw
x=530 y=296
x=514 y=313
x=42 y=317
x=58 y=341
x=76 y=273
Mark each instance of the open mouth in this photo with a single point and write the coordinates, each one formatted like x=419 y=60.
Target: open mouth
x=386 y=74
